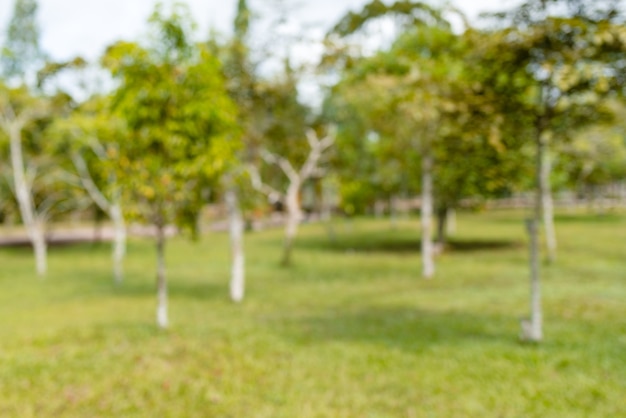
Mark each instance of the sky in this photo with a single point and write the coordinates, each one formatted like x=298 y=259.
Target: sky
x=85 y=27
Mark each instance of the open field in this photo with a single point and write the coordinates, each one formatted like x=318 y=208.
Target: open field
x=350 y=331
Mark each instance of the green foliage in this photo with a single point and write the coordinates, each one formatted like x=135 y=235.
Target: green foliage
x=180 y=122
x=427 y=90
x=91 y=133
x=562 y=64
x=349 y=332
x=242 y=20
x=595 y=156
x=21 y=53
x=53 y=192
x=409 y=12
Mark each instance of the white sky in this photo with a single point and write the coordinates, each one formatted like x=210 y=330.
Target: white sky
x=85 y=27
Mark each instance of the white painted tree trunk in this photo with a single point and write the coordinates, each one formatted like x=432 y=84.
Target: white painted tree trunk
x=532 y=328
x=548 y=205
x=428 y=260
x=161 y=312
x=40 y=247
x=119 y=242
x=237 y=280
x=35 y=227
x=294 y=216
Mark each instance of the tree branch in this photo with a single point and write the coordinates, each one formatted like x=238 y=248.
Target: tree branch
x=257 y=183
x=281 y=162
x=88 y=183
x=318 y=146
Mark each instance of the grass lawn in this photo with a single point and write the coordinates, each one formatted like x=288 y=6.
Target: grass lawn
x=350 y=331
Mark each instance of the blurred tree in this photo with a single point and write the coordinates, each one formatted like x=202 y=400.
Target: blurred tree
x=423 y=99
x=567 y=49
x=563 y=57
x=596 y=156
x=181 y=129
x=37 y=180
x=240 y=83
x=21 y=54
x=89 y=136
x=297 y=175
x=402 y=99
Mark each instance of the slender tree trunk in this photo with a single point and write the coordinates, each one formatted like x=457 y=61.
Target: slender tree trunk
x=293 y=221
x=532 y=328
x=34 y=227
x=161 y=313
x=379 y=208
x=119 y=242
x=428 y=261
x=442 y=219
x=451 y=222
x=393 y=211
x=237 y=281
x=547 y=204
x=327 y=213
x=40 y=247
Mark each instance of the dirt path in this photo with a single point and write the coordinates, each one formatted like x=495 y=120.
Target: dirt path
x=17 y=237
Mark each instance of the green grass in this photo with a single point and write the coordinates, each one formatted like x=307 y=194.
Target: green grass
x=350 y=331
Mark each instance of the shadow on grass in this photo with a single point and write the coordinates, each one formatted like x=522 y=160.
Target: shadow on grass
x=405 y=329
x=590 y=218
x=176 y=289
x=470 y=245
x=399 y=245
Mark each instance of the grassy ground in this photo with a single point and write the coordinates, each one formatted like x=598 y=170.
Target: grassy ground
x=350 y=331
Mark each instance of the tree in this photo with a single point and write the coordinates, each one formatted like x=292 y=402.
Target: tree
x=406 y=81
x=424 y=103
x=563 y=57
x=21 y=55
x=89 y=136
x=240 y=84
x=17 y=110
x=296 y=176
x=565 y=48
x=181 y=129
x=37 y=183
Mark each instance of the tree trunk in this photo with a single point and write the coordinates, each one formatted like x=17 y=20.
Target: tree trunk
x=451 y=222
x=379 y=209
x=393 y=211
x=40 y=247
x=327 y=211
x=119 y=242
x=237 y=281
x=442 y=222
x=34 y=227
x=441 y=231
x=547 y=204
x=161 y=313
x=428 y=261
x=293 y=220
x=532 y=328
